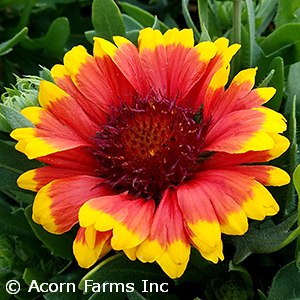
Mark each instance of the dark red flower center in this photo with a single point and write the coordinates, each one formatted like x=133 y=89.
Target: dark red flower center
x=148 y=147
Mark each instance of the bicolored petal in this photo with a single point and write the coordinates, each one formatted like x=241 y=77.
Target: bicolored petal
x=74 y=159
x=61 y=164
x=260 y=197
x=34 y=180
x=36 y=142
x=186 y=66
x=126 y=58
x=240 y=95
x=162 y=63
x=217 y=67
x=231 y=216
x=57 y=204
x=64 y=108
x=171 y=61
x=135 y=228
x=59 y=125
x=97 y=78
x=221 y=160
x=63 y=79
x=256 y=97
x=201 y=219
x=255 y=200
x=154 y=60
x=266 y=175
x=274 y=122
x=90 y=245
x=168 y=242
x=129 y=219
x=114 y=83
x=239 y=132
x=217 y=102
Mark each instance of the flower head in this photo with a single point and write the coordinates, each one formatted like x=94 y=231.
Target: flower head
x=148 y=152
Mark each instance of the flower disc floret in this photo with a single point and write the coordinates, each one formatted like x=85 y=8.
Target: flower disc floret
x=149 y=146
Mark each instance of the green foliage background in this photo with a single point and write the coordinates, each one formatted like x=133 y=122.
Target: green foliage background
x=35 y=34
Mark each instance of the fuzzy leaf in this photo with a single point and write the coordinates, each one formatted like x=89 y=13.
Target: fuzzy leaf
x=267 y=238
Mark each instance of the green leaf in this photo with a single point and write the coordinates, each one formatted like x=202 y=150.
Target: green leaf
x=286 y=283
x=253 y=47
x=156 y=23
x=60 y=245
x=131 y=23
x=25 y=14
x=14 y=118
x=7 y=46
x=56 y=37
x=293 y=87
x=4 y=126
x=282 y=38
x=265 y=15
x=267 y=79
x=266 y=238
x=89 y=35
x=7 y=260
x=120 y=269
x=261 y=295
x=203 y=17
x=296 y=182
x=291 y=203
x=12 y=165
x=141 y=16
x=133 y=36
x=21 y=196
x=107 y=19
x=34 y=274
x=14 y=223
x=188 y=19
x=236 y=34
x=286 y=12
x=135 y=296
x=71 y=279
x=277 y=81
x=4 y=295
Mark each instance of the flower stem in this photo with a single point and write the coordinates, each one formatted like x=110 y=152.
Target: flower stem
x=237 y=23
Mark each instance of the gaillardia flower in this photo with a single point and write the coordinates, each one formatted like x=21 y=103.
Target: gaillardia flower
x=148 y=151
